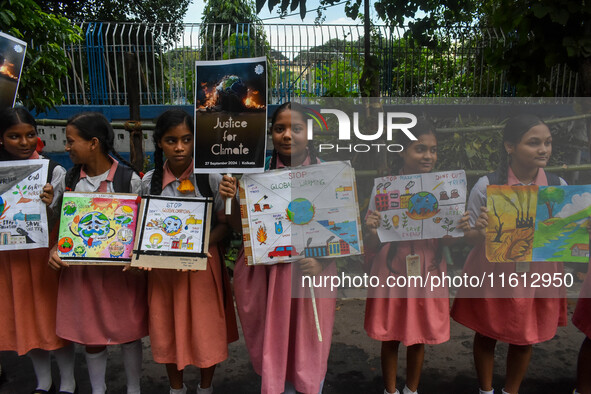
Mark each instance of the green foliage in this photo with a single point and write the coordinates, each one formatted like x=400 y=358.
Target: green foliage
x=230 y=37
x=146 y=11
x=541 y=34
x=45 y=61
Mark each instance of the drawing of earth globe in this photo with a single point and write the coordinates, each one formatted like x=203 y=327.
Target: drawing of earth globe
x=231 y=93
x=422 y=205
x=300 y=211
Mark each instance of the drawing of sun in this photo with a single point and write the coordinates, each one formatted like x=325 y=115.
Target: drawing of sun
x=300 y=211
x=102 y=203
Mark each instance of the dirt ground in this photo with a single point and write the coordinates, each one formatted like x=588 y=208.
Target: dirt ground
x=353 y=367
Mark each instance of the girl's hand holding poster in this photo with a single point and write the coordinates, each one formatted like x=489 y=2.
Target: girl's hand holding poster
x=23 y=216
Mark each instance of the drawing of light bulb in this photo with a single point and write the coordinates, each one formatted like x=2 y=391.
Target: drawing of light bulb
x=155 y=240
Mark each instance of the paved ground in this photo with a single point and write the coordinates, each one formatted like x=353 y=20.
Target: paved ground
x=354 y=364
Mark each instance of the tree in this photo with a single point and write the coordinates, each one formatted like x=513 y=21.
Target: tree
x=550 y=196
x=45 y=61
x=542 y=34
x=147 y=11
x=230 y=38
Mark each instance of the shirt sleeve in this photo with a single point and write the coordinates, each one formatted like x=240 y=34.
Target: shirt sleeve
x=136 y=184
x=147 y=183
x=214 y=183
x=477 y=199
x=58 y=181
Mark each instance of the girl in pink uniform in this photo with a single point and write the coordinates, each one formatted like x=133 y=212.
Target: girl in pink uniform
x=582 y=320
x=400 y=315
x=28 y=288
x=279 y=330
x=192 y=317
x=524 y=316
x=101 y=305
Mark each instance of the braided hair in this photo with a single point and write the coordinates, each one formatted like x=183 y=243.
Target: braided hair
x=94 y=125
x=10 y=117
x=513 y=132
x=292 y=106
x=423 y=127
x=166 y=121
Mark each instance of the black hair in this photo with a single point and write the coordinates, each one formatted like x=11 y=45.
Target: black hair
x=423 y=126
x=10 y=117
x=166 y=121
x=94 y=125
x=513 y=132
x=292 y=106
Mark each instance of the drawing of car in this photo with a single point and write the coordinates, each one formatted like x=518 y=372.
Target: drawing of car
x=281 y=251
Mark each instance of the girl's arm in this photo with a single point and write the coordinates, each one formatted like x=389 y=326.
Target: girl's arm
x=370 y=238
x=229 y=189
x=474 y=224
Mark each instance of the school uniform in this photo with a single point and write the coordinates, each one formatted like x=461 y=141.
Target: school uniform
x=409 y=315
x=192 y=316
x=28 y=289
x=280 y=330
x=525 y=315
x=102 y=305
x=582 y=315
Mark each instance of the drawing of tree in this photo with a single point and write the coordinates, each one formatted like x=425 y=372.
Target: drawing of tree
x=550 y=196
x=404 y=220
x=499 y=228
x=22 y=193
x=386 y=222
x=447 y=226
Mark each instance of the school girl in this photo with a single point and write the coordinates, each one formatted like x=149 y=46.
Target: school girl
x=395 y=315
x=524 y=316
x=101 y=305
x=279 y=330
x=28 y=288
x=192 y=317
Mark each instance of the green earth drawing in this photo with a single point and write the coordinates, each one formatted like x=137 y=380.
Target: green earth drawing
x=300 y=211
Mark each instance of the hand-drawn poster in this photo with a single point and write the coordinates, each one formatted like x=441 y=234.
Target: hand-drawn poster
x=173 y=233
x=545 y=223
x=230 y=115
x=12 y=56
x=419 y=206
x=511 y=221
x=23 y=216
x=97 y=228
x=302 y=212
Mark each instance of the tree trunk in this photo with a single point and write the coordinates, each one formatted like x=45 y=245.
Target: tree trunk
x=549 y=206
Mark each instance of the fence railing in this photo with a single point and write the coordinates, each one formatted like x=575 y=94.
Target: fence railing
x=305 y=61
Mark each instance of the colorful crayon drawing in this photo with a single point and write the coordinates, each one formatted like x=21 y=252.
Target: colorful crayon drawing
x=531 y=223
x=23 y=216
x=173 y=232
x=97 y=228
x=419 y=206
x=561 y=224
x=313 y=212
x=511 y=222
